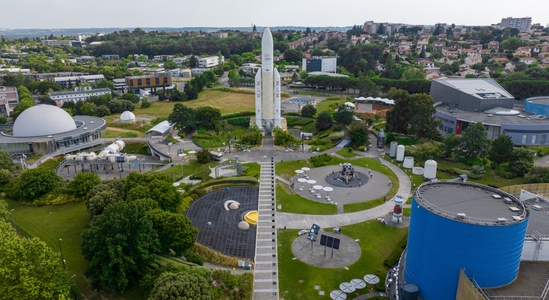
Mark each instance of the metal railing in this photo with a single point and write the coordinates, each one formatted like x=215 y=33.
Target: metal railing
x=472 y=220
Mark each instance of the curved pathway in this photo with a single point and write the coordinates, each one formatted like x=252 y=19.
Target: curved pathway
x=302 y=221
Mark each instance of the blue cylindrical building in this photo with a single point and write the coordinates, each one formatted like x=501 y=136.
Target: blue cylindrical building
x=463 y=226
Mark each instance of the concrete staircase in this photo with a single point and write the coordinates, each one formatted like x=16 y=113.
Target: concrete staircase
x=266 y=256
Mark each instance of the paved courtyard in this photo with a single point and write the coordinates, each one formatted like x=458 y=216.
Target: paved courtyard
x=218 y=227
x=374 y=187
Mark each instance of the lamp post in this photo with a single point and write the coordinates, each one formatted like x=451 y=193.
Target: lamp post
x=302 y=143
x=62 y=258
x=229 y=138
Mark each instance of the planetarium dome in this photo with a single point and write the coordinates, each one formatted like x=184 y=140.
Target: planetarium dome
x=127 y=116
x=41 y=120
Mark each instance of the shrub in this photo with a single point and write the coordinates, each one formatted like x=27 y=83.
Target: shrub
x=199 y=136
x=195 y=259
x=244 y=122
x=321 y=160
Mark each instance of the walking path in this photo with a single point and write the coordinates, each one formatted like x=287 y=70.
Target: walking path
x=266 y=255
x=302 y=221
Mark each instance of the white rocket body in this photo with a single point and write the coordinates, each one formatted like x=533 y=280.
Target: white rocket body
x=267 y=86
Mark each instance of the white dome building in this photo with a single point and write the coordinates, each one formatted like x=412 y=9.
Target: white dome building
x=44 y=129
x=127 y=116
x=42 y=120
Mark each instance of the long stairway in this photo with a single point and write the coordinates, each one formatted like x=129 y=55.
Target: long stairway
x=266 y=265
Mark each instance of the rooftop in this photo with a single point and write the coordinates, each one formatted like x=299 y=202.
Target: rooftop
x=523 y=117
x=470 y=203
x=482 y=88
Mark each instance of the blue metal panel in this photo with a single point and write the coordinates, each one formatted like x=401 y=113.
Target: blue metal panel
x=439 y=247
x=536 y=108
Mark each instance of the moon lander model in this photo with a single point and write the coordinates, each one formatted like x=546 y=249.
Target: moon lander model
x=347 y=173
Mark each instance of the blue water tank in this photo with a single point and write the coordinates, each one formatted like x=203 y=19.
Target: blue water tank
x=463 y=226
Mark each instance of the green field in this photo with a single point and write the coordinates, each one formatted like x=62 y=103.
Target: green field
x=218 y=140
x=49 y=223
x=299 y=205
x=377 y=242
x=325 y=105
x=345 y=153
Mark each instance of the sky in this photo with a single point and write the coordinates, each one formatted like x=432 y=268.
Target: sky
x=243 y=13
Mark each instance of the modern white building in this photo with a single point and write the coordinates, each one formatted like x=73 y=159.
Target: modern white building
x=66 y=81
x=209 y=62
x=518 y=23
x=326 y=64
x=78 y=94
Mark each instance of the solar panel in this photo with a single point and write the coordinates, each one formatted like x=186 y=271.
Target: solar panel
x=323 y=240
x=336 y=243
x=330 y=242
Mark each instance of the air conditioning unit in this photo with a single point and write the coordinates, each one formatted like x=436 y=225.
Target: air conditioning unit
x=461 y=215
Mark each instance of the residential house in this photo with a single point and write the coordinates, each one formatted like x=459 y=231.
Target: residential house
x=493 y=45
x=473 y=60
x=468 y=52
x=523 y=52
x=499 y=59
x=427 y=64
x=528 y=60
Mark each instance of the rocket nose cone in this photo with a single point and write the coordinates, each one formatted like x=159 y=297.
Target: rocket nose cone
x=267 y=34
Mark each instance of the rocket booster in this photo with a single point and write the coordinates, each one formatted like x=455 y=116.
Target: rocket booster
x=267 y=80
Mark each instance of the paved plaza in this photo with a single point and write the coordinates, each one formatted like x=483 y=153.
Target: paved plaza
x=374 y=187
x=319 y=256
x=218 y=227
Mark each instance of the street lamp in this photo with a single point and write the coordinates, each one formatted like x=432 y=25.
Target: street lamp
x=62 y=258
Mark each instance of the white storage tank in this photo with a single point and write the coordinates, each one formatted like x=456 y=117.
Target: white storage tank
x=408 y=162
x=400 y=153
x=430 y=169
x=393 y=149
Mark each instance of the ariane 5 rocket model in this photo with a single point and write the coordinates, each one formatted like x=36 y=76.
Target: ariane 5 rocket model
x=267 y=87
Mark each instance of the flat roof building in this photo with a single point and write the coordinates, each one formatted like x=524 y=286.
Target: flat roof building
x=460 y=102
x=79 y=94
x=148 y=81
x=8 y=100
x=327 y=64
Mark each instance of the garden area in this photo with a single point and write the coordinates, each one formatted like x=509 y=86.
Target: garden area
x=381 y=248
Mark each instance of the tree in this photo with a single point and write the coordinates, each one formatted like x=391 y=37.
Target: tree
x=283 y=138
x=308 y=110
x=181 y=285
x=160 y=186
x=83 y=183
x=207 y=117
x=252 y=137
x=537 y=175
x=104 y=194
x=450 y=144
x=35 y=183
x=344 y=114
x=500 y=149
x=203 y=156
x=170 y=65
x=24 y=103
x=88 y=109
x=145 y=103
x=522 y=154
x=175 y=231
x=101 y=111
x=119 y=244
x=5 y=160
x=131 y=97
x=183 y=117
x=324 y=121
x=358 y=132
x=29 y=268
x=422 y=121
x=120 y=106
x=192 y=61
x=427 y=150
x=474 y=142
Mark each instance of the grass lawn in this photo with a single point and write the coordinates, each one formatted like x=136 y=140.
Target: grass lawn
x=49 y=223
x=218 y=140
x=251 y=169
x=377 y=242
x=179 y=170
x=325 y=105
x=345 y=153
x=112 y=132
x=297 y=204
